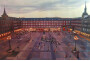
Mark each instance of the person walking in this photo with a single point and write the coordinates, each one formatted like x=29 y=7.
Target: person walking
x=55 y=50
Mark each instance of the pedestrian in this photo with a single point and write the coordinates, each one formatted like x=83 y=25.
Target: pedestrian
x=39 y=47
x=59 y=44
x=55 y=50
x=66 y=55
x=56 y=46
x=48 y=48
x=39 y=43
x=43 y=44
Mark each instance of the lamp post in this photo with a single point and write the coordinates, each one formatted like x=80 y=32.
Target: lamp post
x=9 y=38
x=30 y=33
x=70 y=33
x=75 y=51
x=75 y=38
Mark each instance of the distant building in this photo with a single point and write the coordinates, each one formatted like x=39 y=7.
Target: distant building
x=85 y=21
x=52 y=23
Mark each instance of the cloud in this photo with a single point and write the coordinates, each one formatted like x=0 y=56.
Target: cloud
x=39 y=4
x=30 y=6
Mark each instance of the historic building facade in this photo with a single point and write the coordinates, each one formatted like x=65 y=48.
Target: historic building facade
x=85 y=21
x=8 y=24
x=86 y=25
x=52 y=23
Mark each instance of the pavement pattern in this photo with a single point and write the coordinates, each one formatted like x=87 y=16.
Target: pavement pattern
x=55 y=46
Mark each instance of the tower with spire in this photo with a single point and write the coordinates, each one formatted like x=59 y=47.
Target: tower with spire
x=4 y=15
x=85 y=14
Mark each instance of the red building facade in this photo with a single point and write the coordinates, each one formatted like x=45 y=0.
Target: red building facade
x=8 y=24
x=51 y=23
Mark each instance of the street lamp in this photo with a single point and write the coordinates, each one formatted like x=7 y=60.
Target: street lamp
x=70 y=33
x=75 y=38
x=30 y=33
x=9 y=38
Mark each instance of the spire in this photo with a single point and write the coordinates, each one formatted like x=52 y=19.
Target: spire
x=4 y=14
x=85 y=14
x=85 y=10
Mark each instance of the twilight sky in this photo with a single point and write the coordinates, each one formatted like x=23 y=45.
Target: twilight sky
x=44 y=8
